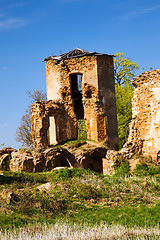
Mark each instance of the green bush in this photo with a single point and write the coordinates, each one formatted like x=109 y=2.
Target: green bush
x=82 y=130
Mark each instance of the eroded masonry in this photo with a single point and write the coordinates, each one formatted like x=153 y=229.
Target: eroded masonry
x=144 y=137
x=80 y=85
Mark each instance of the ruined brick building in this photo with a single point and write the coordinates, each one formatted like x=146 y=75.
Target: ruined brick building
x=80 y=85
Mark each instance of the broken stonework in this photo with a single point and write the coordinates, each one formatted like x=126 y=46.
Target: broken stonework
x=39 y=161
x=5 y=156
x=92 y=159
x=59 y=157
x=7 y=195
x=80 y=85
x=5 y=161
x=46 y=187
x=43 y=114
x=144 y=136
x=144 y=133
x=21 y=161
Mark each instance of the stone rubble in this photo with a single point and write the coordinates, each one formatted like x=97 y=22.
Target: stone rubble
x=144 y=134
x=54 y=158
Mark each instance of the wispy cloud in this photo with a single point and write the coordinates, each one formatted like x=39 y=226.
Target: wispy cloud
x=10 y=23
x=8 y=18
x=140 y=12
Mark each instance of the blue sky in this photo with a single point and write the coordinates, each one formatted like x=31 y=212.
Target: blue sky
x=31 y=30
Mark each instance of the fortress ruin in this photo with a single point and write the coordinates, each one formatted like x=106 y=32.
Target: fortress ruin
x=80 y=85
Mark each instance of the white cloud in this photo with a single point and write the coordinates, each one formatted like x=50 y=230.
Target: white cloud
x=11 y=23
x=140 y=12
x=8 y=19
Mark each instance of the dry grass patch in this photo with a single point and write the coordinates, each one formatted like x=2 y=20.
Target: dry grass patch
x=64 y=231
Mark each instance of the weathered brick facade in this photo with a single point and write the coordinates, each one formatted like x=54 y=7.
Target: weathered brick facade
x=144 y=137
x=67 y=102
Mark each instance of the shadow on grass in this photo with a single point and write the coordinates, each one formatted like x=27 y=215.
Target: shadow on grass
x=9 y=179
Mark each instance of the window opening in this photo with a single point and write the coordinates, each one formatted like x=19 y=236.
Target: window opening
x=76 y=85
x=79 y=81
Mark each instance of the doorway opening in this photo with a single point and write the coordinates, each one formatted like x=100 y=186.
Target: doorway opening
x=52 y=131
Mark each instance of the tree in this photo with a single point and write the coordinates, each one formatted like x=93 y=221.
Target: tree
x=124 y=71
x=24 y=132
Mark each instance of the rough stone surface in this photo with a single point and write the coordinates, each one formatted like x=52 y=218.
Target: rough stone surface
x=108 y=166
x=59 y=157
x=144 y=136
x=45 y=187
x=5 y=161
x=21 y=161
x=41 y=111
x=5 y=156
x=144 y=133
x=92 y=159
x=7 y=195
x=58 y=116
x=39 y=161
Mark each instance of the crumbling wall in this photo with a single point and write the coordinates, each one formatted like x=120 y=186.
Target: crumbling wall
x=106 y=85
x=144 y=137
x=95 y=97
x=59 y=83
x=78 y=87
x=94 y=113
x=39 y=160
x=41 y=112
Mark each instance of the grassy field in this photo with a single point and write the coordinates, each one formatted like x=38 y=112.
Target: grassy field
x=79 y=197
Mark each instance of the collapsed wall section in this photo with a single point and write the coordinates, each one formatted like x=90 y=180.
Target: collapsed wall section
x=42 y=125
x=80 y=86
x=144 y=137
x=97 y=96
x=94 y=114
x=106 y=85
x=59 y=78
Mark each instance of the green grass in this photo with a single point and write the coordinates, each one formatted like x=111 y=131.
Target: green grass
x=82 y=196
